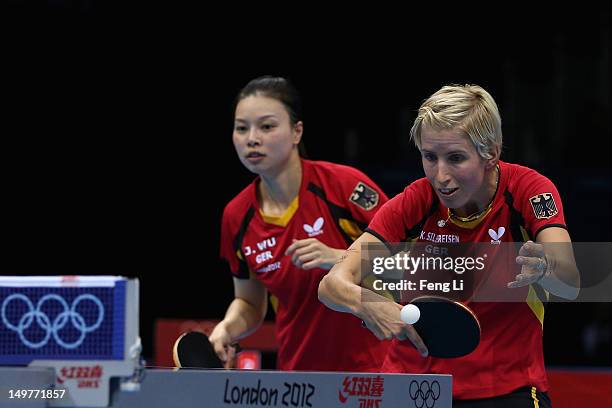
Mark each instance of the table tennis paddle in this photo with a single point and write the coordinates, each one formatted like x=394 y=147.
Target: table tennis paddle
x=448 y=328
x=193 y=350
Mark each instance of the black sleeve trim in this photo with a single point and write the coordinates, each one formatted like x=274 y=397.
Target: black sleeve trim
x=393 y=248
x=376 y=234
x=549 y=226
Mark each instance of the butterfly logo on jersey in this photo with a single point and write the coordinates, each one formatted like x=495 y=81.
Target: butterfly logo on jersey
x=316 y=228
x=364 y=196
x=543 y=205
x=496 y=235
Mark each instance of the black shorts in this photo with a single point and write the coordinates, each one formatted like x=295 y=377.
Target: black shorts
x=527 y=397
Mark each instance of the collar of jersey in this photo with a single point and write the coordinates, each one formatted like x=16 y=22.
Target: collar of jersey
x=283 y=219
x=468 y=224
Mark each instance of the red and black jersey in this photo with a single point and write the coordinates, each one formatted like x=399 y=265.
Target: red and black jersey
x=335 y=203
x=510 y=353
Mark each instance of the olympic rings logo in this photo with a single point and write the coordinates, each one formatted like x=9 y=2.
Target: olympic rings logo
x=424 y=394
x=55 y=326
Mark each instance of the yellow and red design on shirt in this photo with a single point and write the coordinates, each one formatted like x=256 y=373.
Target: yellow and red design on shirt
x=335 y=203
x=510 y=353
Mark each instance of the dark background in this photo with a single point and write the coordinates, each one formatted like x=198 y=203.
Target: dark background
x=116 y=153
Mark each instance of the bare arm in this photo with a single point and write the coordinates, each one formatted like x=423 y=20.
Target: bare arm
x=244 y=315
x=340 y=290
x=550 y=263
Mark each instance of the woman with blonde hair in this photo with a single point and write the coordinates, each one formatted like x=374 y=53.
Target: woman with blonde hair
x=469 y=195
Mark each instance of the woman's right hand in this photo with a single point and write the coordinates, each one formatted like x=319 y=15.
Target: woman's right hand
x=382 y=317
x=221 y=341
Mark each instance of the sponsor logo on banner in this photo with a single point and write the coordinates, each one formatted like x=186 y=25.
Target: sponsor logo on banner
x=368 y=390
x=86 y=376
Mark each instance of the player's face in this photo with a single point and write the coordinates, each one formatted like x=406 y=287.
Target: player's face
x=455 y=170
x=263 y=136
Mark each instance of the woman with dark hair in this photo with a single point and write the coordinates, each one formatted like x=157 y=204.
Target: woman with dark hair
x=284 y=232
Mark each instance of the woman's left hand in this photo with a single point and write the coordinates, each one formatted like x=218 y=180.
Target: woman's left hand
x=532 y=259
x=311 y=253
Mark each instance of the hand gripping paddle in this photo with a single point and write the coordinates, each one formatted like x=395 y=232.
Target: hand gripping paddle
x=193 y=350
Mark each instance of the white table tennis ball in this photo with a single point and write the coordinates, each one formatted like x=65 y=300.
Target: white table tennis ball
x=410 y=314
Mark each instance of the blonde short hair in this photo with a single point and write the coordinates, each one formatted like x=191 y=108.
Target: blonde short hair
x=467 y=107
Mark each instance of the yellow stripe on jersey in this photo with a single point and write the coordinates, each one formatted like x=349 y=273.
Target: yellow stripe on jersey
x=525 y=234
x=535 y=304
x=535 y=397
x=350 y=227
x=274 y=303
x=282 y=220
